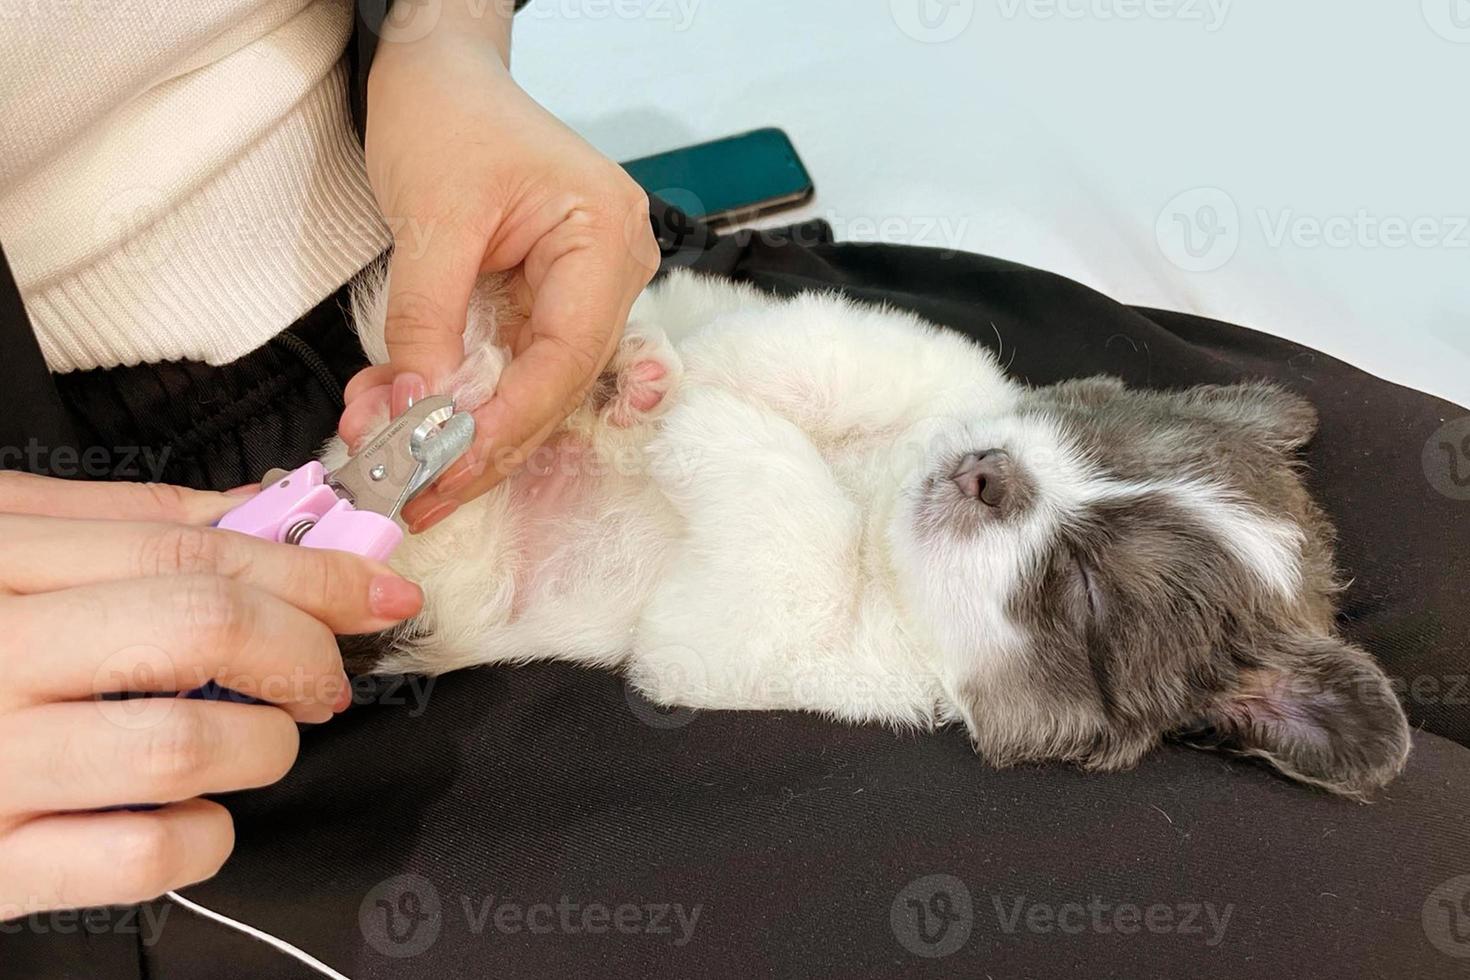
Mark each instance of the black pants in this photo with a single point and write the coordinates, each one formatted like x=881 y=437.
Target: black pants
x=216 y=428
x=544 y=822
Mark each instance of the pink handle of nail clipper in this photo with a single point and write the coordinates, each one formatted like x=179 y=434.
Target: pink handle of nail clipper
x=303 y=495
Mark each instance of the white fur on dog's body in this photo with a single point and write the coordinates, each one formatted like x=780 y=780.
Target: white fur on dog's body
x=776 y=504
x=736 y=550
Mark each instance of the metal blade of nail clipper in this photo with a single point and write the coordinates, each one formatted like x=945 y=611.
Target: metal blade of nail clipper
x=407 y=455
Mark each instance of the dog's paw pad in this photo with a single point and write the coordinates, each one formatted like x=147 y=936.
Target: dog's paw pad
x=644 y=373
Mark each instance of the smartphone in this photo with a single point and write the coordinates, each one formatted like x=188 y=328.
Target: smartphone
x=727 y=181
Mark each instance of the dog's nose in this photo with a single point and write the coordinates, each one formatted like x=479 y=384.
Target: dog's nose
x=984 y=476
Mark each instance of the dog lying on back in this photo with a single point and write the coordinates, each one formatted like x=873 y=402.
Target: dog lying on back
x=811 y=504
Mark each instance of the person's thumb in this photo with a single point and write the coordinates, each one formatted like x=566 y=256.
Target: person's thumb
x=429 y=286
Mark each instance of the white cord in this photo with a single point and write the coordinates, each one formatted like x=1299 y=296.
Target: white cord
x=265 y=937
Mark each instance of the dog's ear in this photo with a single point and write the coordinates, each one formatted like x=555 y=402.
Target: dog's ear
x=1092 y=392
x=1318 y=709
x=1272 y=414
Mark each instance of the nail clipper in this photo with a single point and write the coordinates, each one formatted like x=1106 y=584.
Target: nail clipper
x=357 y=507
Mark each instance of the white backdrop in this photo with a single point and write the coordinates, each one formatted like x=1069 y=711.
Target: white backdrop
x=1298 y=166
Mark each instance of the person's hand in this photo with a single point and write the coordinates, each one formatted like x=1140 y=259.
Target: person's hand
x=150 y=600
x=474 y=176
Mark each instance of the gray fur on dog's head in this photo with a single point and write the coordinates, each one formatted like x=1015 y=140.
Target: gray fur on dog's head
x=1166 y=573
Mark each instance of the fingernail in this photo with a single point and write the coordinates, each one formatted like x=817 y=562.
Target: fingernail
x=248 y=488
x=466 y=470
x=408 y=388
x=392 y=597
x=433 y=515
x=344 y=698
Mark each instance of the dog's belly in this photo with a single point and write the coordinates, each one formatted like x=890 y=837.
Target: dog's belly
x=591 y=540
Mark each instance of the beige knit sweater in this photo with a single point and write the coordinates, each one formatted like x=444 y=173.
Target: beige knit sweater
x=177 y=179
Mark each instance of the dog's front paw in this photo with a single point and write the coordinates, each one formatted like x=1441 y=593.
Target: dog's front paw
x=642 y=373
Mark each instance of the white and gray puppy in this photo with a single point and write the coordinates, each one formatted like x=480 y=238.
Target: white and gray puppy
x=811 y=504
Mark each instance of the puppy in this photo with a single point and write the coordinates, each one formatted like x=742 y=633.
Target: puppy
x=811 y=504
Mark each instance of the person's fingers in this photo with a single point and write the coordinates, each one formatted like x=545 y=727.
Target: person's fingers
x=363 y=413
x=373 y=404
x=408 y=388
x=75 y=756
x=581 y=302
x=427 y=509
x=347 y=592
x=168 y=634
x=22 y=493
x=75 y=860
x=429 y=286
x=369 y=377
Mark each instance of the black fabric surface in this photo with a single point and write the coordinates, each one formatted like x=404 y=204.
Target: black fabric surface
x=198 y=426
x=801 y=842
x=31 y=413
